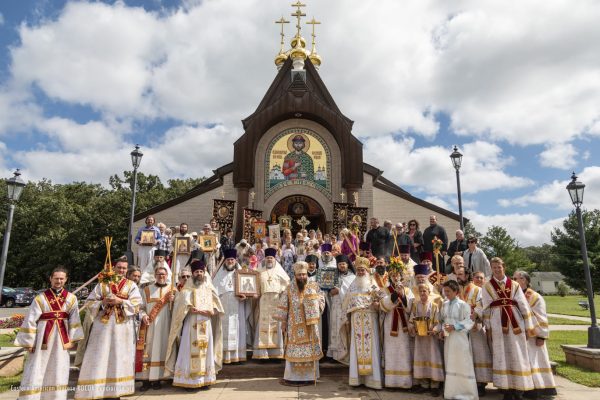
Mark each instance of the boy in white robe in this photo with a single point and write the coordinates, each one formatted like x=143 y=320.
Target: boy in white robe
x=456 y=321
x=48 y=332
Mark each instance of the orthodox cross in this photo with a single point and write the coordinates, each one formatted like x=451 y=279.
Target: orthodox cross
x=355 y=195
x=252 y=195
x=282 y=21
x=298 y=14
x=303 y=222
x=222 y=194
x=313 y=22
x=343 y=195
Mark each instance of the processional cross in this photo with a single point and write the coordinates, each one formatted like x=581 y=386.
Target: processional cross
x=343 y=196
x=303 y=222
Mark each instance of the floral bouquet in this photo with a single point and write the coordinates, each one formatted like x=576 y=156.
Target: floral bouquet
x=437 y=244
x=108 y=275
x=396 y=266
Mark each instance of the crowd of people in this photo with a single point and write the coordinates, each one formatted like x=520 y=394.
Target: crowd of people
x=402 y=308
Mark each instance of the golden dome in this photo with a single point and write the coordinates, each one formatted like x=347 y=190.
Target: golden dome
x=315 y=59
x=298 y=51
x=295 y=40
x=280 y=58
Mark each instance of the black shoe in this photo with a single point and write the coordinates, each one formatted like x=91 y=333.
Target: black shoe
x=205 y=388
x=435 y=392
x=156 y=385
x=481 y=390
x=190 y=390
x=420 y=389
x=145 y=386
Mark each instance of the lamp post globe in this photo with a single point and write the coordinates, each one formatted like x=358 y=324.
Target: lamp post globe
x=575 y=189
x=456 y=158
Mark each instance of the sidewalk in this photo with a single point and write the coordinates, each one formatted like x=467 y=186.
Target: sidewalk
x=575 y=317
x=327 y=388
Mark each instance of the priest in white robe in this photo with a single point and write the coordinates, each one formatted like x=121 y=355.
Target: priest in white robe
x=398 y=352
x=541 y=370
x=299 y=310
x=159 y=260
x=455 y=317
x=234 y=320
x=49 y=330
x=408 y=274
x=361 y=349
x=151 y=347
x=107 y=370
x=195 y=346
x=268 y=339
x=335 y=300
x=509 y=322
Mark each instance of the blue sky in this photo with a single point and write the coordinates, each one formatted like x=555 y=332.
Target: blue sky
x=516 y=86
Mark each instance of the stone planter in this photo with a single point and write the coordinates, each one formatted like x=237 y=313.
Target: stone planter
x=11 y=360
x=582 y=356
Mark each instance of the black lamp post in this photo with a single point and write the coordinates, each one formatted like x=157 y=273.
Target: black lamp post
x=15 y=187
x=575 y=189
x=136 y=159
x=456 y=158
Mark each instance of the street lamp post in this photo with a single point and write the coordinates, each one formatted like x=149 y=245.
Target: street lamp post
x=136 y=159
x=15 y=187
x=456 y=158
x=575 y=189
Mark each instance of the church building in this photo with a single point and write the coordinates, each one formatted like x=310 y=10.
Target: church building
x=297 y=165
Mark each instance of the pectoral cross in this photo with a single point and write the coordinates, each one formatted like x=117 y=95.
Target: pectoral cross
x=303 y=222
x=343 y=196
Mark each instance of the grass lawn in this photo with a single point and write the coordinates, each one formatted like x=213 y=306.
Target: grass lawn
x=568 y=305
x=565 y=321
x=6 y=340
x=571 y=372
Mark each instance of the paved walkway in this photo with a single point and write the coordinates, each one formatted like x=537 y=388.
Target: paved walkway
x=575 y=317
x=327 y=388
x=568 y=327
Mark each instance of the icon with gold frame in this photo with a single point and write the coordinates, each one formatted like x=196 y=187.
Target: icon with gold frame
x=182 y=244
x=208 y=243
x=147 y=237
x=247 y=283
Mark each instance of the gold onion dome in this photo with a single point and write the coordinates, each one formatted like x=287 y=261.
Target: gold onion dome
x=315 y=59
x=295 y=40
x=298 y=51
x=280 y=59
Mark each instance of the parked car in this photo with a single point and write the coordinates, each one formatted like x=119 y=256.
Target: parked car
x=28 y=296
x=9 y=297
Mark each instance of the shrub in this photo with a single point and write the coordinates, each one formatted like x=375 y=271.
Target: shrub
x=562 y=289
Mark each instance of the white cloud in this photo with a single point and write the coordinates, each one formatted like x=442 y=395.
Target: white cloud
x=555 y=193
x=430 y=168
x=528 y=229
x=438 y=201
x=559 y=155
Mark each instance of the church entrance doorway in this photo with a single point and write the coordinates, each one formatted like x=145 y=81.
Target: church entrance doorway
x=296 y=207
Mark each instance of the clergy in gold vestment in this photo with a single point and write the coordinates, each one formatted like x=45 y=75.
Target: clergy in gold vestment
x=108 y=363
x=398 y=352
x=541 y=371
x=195 y=346
x=509 y=321
x=51 y=327
x=153 y=334
x=268 y=340
x=360 y=332
x=300 y=308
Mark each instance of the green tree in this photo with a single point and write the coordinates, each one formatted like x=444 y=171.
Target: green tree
x=543 y=257
x=567 y=249
x=497 y=242
x=470 y=231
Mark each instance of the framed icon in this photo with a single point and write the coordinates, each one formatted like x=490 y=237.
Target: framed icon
x=327 y=278
x=182 y=244
x=208 y=243
x=260 y=228
x=247 y=283
x=274 y=234
x=285 y=221
x=147 y=238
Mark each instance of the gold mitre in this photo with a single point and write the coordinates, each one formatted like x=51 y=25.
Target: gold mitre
x=301 y=267
x=362 y=262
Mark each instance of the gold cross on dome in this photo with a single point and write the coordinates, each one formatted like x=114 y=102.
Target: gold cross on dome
x=282 y=21
x=298 y=14
x=313 y=22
